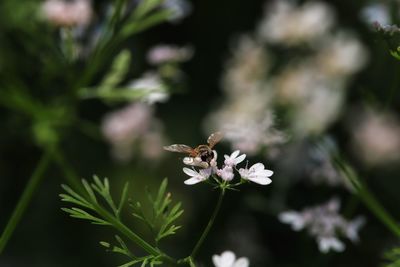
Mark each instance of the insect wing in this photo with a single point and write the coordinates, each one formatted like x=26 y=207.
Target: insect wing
x=214 y=139
x=180 y=148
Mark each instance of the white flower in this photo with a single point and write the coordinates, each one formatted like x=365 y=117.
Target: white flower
x=153 y=88
x=257 y=174
x=376 y=137
x=197 y=177
x=68 y=13
x=129 y=125
x=167 y=53
x=377 y=12
x=234 y=158
x=296 y=219
x=228 y=259
x=330 y=243
x=352 y=228
x=226 y=173
x=324 y=223
x=289 y=24
x=178 y=8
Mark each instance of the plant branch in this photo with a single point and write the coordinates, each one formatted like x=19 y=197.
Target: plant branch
x=367 y=197
x=27 y=194
x=208 y=227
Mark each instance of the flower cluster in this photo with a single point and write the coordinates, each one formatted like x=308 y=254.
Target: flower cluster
x=376 y=137
x=246 y=116
x=309 y=90
x=223 y=176
x=68 y=13
x=228 y=259
x=287 y=24
x=324 y=223
x=133 y=124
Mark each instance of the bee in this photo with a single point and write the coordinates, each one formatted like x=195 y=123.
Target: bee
x=202 y=153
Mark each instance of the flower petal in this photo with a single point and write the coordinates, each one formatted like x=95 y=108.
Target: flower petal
x=192 y=181
x=240 y=159
x=205 y=173
x=235 y=153
x=257 y=167
x=216 y=259
x=227 y=259
x=244 y=173
x=327 y=243
x=242 y=262
x=190 y=172
x=294 y=218
x=260 y=180
x=265 y=173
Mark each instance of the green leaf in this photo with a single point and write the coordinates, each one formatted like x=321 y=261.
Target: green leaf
x=131 y=263
x=367 y=196
x=105 y=244
x=81 y=214
x=161 y=198
x=393 y=256
x=98 y=195
x=73 y=197
x=395 y=53
x=124 y=196
x=161 y=220
x=114 y=94
x=144 y=8
x=117 y=72
x=134 y=27
x=89 y=190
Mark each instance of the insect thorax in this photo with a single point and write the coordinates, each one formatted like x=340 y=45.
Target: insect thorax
x=205 y=153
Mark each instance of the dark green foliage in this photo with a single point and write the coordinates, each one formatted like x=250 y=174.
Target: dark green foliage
x=94 y=203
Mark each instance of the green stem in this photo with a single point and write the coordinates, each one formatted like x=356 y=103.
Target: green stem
x=368 y=197
x=69 y=45
x=187 y=261
x=126 y=231
x=209 y=225
x=27 y=194
x=380 y=211
x=191 y=262
x=122 y=228
x=392 y=90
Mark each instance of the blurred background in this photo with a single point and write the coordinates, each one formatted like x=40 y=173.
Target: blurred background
x=289 y=82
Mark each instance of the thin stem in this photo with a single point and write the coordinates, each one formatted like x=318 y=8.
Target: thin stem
x=392 y=92
x=187 y=261
x=126 y=231
x=191 y=262
x=209 y=225
x=69 y=45
x=380 y=211
x=368 y=197
x=27 y=194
